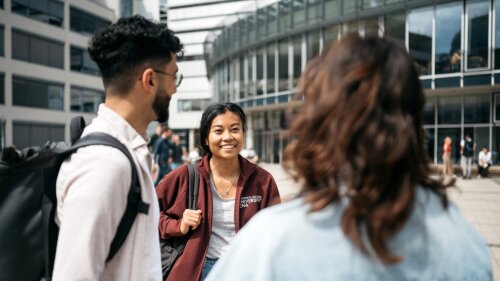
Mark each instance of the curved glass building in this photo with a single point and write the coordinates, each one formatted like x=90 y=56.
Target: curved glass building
x=256 y=61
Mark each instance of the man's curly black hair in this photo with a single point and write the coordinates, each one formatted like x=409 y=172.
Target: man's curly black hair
x=123 y=49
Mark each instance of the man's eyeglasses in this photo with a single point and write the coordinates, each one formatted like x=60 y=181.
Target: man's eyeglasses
x=178 y=76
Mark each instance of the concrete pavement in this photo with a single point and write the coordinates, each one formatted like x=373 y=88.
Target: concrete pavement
x=478 y=199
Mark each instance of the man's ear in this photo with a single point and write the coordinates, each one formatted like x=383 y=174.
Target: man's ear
x=148 y=79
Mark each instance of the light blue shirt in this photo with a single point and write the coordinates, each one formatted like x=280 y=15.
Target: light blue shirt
x=286 y=242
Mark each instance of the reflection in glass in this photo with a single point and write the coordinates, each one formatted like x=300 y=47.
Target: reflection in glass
x=448 y=48
x=449 y=110
x=477 y=109
x=477 y=37
x=420 y=39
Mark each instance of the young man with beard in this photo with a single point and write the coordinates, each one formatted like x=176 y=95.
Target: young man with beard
x=137 y=60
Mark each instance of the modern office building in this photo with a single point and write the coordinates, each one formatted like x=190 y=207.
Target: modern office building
x=192 y=20
x=456 y=46
x=46 y=74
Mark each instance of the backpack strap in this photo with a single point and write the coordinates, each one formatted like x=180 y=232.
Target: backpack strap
x=76 y=128
x=194 y=183
x=134 y=204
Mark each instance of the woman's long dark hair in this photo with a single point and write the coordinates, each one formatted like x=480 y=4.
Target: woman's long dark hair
x=359 y=134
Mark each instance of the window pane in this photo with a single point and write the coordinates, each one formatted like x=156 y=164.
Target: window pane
x=477 y=109
x=242 y=77
x=477 y=38
x=371 y=26
x=497 y=34
x=270 y=69
x=36 y=134
x=395 y=26
x=283 y=65
x=260 y=71
x=272 y=23
x=38 y=94
x=332 y=8
x=285 y=15
x=429 y=143
x=297 y=57
x=420 y=39
x=20 y=46
x=429 y=111
x=448 y=35
x=313 y=10
x=330 y=35
x=449 y=110
x=299 y=12
x=312 y=44
x=497 y=108
x=250 y=80
x=2 y=48
x=2 y=88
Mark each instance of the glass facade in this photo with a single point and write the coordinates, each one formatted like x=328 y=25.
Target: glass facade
x=455 y=45
x=36 y=49
x=48 y=11
x=38 y=94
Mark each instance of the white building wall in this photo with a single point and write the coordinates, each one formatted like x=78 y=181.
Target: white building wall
x=10 y=67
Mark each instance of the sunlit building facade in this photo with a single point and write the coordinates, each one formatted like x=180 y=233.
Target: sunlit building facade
x=257 y=60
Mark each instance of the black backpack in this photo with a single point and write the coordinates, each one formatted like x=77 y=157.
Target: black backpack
x=172 y=248
x=28 y=233
x=468 y=148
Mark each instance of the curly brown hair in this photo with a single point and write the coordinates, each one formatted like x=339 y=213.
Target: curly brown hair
x=358 y=134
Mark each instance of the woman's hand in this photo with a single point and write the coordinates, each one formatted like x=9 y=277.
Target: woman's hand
x=190 y=219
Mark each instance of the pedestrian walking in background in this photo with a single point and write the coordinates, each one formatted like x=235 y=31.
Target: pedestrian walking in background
x=163 y=153
x=134 y=56
x=447 y=167
x=177 y=152
x=154 y=137
x=484 y=162
x=467 y=148
x=231 y=191
x=369 y=209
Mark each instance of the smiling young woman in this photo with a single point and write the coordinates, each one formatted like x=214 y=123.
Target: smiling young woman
x=232 y=190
